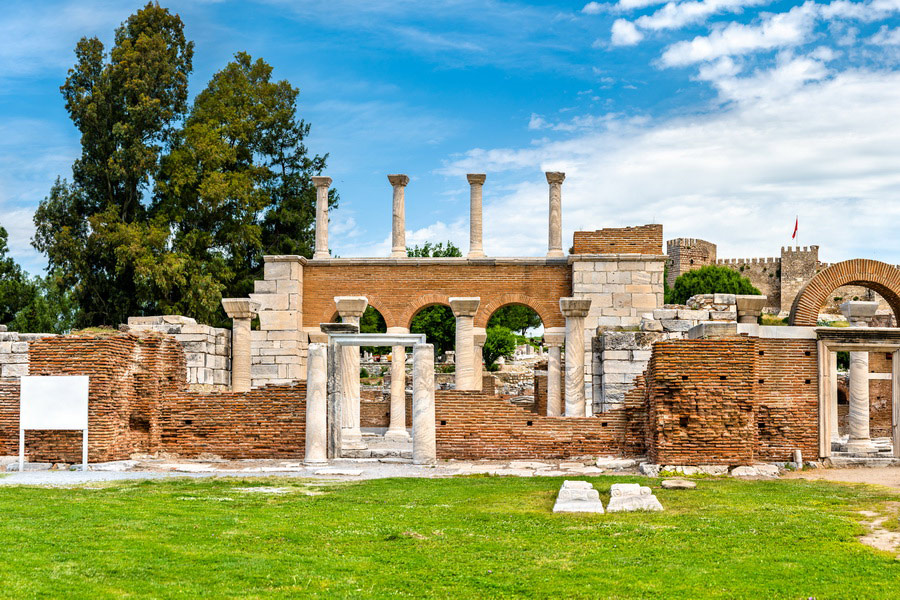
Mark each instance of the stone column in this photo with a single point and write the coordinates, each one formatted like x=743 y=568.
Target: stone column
x=575 y=310
x=859 y=314
x=476 y=180
x=398 y=227
x=553 y=339
x=479 y=337
x=350 y=308
x=241 y=311
x=424 y=442
x=321 y=184
x=464 y=310
x=833 y=418
x=749 y=308
x=316 y=407
x=554 y=244
x=397 y=428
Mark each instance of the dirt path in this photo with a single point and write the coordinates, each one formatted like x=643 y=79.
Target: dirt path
x=889 y=476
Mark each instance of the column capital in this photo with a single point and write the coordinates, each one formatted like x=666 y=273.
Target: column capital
x=479 y=334
x=351 y=306
x=554 y=336
x=240 y=308
x=555 y=176
x=464 y=307
x=398 y=180
x=321 y=181
x=859 y=312
x=476 y=178
x=574 y=307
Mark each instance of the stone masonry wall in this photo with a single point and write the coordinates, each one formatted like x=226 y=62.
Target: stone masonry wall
x=278 y=347
x=688 y=254
x=763 y=273
x=14 y=351
x=207 y=349
x=644 y=239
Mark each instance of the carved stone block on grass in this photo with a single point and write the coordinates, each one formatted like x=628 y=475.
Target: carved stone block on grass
x=578 y=496
x=627 y=497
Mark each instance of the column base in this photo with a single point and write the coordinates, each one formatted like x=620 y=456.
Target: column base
x=319 y=255
x=476 y=254
x=397 y=435
x=399 y=254
x=315 y=463
x=555 y=254
x=861 y=446
x=351 y=439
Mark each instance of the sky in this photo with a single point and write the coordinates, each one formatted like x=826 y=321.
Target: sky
x=721 y=119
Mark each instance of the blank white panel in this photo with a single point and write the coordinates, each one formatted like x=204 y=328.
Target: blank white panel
x=54 y=402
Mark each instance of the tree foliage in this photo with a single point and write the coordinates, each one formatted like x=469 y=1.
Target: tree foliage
x=16 y=290
x=498 y=342
x=515 y=317
x=439 y=250
x=710 y=279
x=436 y=322
x=172 y=204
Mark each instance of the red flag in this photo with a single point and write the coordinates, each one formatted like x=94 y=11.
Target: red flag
x=796 y=225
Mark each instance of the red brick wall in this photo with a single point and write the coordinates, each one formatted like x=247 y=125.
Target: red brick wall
x=788 y=399
x=399 y=291
x=644 y=239
x=473 y=425
x=880 y=395
x=702 y=408
x=375 y=409
x=268 y=422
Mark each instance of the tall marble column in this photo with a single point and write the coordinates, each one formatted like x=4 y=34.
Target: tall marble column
x=321 y=184
x=575 y=310
x=350 y=308
x=398 y=221
x=833 y=419
x=464 y=310
x=424 y=441
x=316 y=405
x=476 y=181
x=554 y=244
x=397 y=427
x=859 y=314
x=554 y=337
x=479 y=338
x=241 y=311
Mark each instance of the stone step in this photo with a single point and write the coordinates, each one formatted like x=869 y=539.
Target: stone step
x=377 y=453
x=845 y=462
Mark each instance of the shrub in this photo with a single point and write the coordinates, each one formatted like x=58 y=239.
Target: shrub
x=498 y=342
x=710 y=280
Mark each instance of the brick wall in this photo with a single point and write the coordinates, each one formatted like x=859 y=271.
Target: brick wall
x=643 y=239
x=473 y=425
x=375 y=409
x=880 y=395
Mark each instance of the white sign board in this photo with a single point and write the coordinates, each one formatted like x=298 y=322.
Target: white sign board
x=54 y=403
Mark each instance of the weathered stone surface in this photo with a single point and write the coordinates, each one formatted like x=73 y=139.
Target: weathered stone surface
x=617 y=464
x=649 y=469
x=678 y=484
x=755 y=471
x=676 y=325
x=627 y=497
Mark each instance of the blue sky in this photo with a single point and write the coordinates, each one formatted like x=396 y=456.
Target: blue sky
x=721 y=119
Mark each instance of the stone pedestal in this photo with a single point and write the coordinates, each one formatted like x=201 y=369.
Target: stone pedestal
x=554 y=242
x=350 y=308
x=575 y=310
x=241 y=311
x=627 y=497
x=749 y=308
x=321 y=184
x=476 y=181
x=397 y=429
x=554 y=338
x=479 y=337
x=398 y=221
x=424 y=442
x=859 y=314
x=579 y=497
x=464 y=310
x=316 y=405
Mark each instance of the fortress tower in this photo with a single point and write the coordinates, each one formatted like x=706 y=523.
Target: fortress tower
x=688 y=254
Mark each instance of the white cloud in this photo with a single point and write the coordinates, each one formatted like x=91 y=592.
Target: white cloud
x=776 y=31
x=826 y=149
x=625 y=5
x=594 y=8
x=675 y=15
x=624 y=33
x=886 y=37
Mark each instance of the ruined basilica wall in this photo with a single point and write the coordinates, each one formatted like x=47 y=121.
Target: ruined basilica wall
x=763 y=273
x=14 y=351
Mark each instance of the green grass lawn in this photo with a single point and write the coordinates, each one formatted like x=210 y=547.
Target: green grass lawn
x=450 y=538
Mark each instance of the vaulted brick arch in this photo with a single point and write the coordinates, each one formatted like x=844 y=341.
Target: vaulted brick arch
x=875 y=275
x=423 y=301
x=547 y=318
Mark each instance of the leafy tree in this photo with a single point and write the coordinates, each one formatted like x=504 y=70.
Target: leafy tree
x=498 y=342
x=515 y=317
x=51 y=310
x=436 y=322
x=16 y=290
x=710 y=279
x=373 y=322
x=126 y=105
x=439 y=250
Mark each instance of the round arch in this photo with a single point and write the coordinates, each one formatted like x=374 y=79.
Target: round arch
x=875 y=275
x=487 y=310
x=422 y=302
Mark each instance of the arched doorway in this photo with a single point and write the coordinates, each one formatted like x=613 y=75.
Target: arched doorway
x=880 y=277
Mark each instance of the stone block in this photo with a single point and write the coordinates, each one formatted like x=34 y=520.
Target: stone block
x=622 y=277
x=617 y=355
x=651 y=325
x=5 y=347
x=678 y=484
x=643 y=355
x=693 y=315
x=288 y=286
x=627 y=497
x=712 y=330
x=723 y=315
x=724 y=299
x=274 y=270
x=261 y=286
x=578 y=496
x=665 y=313
x=19 y=347
x=641 y=278
x=632 y=265
x=264 y=371
x=270 y=320
x=598 y=277
x=644 y=301
x=271 y=301
x=675 y=325
x=14 y=370
x=622 y=311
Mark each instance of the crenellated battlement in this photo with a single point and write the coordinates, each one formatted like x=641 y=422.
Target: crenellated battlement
x=685 y=243
x=768 y=260
x=799 y=249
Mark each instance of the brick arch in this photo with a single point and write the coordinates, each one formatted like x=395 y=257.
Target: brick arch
x=424 y=301
x=548 y=318
x=875 y=275
x=377 y=305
